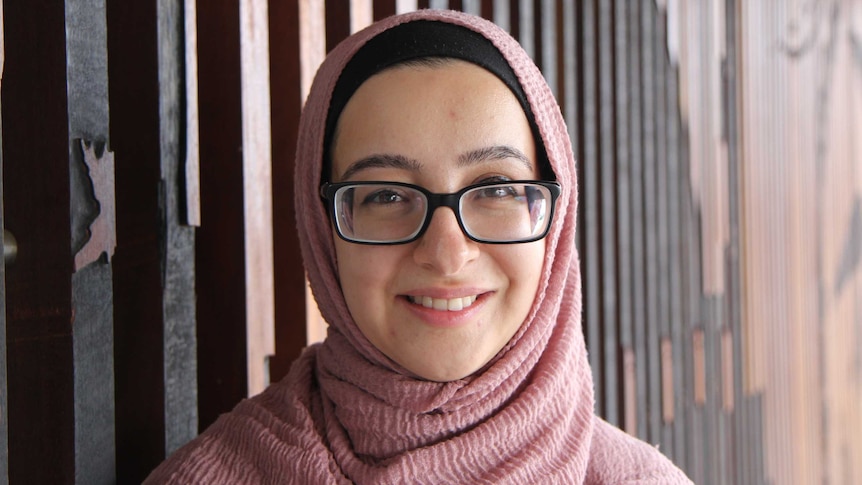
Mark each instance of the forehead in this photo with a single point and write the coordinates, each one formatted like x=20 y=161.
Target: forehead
x=429 y=109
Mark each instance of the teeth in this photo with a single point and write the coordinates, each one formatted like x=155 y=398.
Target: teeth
x=452 y=305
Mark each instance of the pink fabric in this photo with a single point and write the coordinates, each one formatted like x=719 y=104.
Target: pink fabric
x=348 y=414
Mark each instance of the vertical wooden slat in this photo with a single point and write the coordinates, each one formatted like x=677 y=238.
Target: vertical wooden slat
x=179 y=360
x=568 y=69
x=638 y=276
x=591 y=256
x=547 y=33
x=674 y=183
x=624 y=140
x=192 y=179
x=4 y=427
x=361 y=14
x=154 y=293
x=92 y=208
x=488 y=9
x=286 y=103
x=138 y=336
x=220 y=252
x=312 y=50
x=502 y=15
x=312 y=41
x=664 y=236
x=337 y=22
x=608 y=157
x=526 y=29
x=742 y=448
x=386 y=8
x=257 y=191
x=473 y=7
x=648 y=26
x=39 y=287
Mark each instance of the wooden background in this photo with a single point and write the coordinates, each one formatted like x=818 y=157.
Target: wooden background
x=147 y=154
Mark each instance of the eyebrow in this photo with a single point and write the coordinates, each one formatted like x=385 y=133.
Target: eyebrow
x=381 y=161
x=496 y=152
x=384 y=160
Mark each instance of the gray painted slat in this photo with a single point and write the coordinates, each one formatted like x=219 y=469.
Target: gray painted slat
x=624 y=142
x=741 y=446
x=180 y=340
x=526 y=28
x=675 y=182
x=570 y=78
x=590 y=200
x=607 y=193
x=92 y=285
x=473 y=7
x=623 y=202
x=502 y=14
x=713 y=426
x=638 y=276
x=648 y=23
x=93 y=349
x=662 y=229
x=549 y=34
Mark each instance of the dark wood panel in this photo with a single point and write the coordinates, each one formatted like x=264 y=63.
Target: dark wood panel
x=220 y=246
x=488 y=9
x=10 y=247
x=337 y=22
x=382 y=9
x=289 y=275
x=36 y=202
x=137 y=263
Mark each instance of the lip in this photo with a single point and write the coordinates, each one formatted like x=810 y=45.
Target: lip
x=445 y=318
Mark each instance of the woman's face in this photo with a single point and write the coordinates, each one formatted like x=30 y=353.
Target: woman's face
x=442 y=128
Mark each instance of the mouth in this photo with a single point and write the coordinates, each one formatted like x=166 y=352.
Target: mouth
x=443 y=304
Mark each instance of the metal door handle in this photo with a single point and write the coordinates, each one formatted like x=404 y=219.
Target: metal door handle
x=10 y=247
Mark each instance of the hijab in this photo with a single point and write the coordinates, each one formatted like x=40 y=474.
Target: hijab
x=346 y=413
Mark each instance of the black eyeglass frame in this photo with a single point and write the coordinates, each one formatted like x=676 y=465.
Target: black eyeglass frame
x=435 y=201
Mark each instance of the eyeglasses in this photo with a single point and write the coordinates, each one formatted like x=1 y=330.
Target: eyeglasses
x=496 y=212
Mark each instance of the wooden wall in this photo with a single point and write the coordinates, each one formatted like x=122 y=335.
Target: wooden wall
x=147 y=154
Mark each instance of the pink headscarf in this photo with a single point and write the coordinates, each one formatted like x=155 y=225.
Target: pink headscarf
x=347 y=413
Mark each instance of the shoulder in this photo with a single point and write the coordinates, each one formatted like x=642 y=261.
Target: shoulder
x=262 y=440
x=619 y=458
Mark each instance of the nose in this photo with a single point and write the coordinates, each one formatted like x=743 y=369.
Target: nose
x=444 y=247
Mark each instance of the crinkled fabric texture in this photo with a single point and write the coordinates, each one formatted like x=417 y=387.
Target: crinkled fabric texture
x=348 y=414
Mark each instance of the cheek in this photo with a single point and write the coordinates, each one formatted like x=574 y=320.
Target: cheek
x=524 y=267
x=365 y=272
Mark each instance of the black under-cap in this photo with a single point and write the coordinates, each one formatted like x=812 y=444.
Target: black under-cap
x=423 y=39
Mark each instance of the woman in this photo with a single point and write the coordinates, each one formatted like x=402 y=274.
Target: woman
x=436 y=202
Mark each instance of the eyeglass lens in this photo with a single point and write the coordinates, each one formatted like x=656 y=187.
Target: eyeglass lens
x=389 y=213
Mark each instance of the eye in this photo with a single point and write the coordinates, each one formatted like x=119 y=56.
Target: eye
x=383 y=197
x=497 y=192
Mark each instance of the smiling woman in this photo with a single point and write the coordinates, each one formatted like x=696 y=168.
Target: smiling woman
x=436 y=204
x=458 y=125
